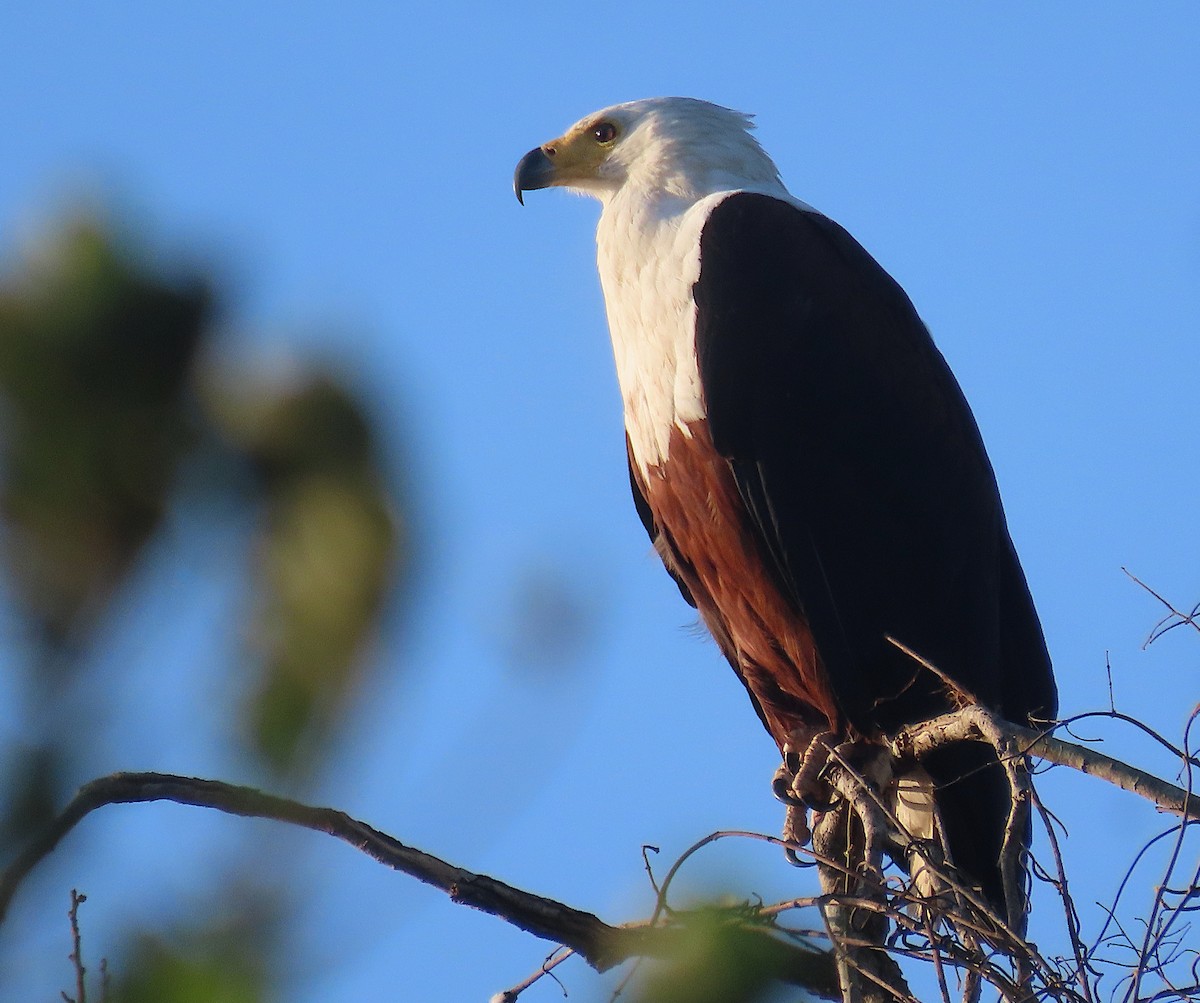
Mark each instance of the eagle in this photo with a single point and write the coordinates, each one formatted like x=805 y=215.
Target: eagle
x=803 y=459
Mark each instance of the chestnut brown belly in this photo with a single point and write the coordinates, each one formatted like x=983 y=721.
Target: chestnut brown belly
x=707 y=539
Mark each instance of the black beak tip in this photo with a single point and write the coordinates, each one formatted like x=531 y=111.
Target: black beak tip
x=534 y=171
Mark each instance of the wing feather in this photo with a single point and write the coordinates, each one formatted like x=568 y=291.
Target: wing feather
x=861 y=466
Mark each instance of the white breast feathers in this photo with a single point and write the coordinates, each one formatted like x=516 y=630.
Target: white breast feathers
x=649 y=258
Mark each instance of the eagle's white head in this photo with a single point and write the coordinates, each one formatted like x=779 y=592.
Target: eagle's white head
x=658 y=166
x=681 y=148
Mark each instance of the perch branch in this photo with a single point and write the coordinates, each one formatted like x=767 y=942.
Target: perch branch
x=957 y=726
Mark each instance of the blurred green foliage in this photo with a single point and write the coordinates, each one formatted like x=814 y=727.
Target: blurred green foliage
x=101 y=401
x=109 y=399
x=95 y=356
x=329 y=548
x=205 y=966
x=731 y=955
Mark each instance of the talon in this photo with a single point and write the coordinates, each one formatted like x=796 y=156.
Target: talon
x=812 y=802
x=781 y=786
x=796 y=832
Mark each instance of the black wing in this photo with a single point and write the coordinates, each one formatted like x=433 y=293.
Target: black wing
x=861 y=464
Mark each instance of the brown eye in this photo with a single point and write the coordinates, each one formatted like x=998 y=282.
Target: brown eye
x=605 y=132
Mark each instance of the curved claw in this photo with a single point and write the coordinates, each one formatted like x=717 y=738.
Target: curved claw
x=812 y=803
x=781 y=787
x=797 y=834
x=794 y=858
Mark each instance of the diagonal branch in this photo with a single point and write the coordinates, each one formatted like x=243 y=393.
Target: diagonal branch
x=542 y=917
x=598 y=943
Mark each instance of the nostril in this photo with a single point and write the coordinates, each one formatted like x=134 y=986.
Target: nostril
x=550 y=151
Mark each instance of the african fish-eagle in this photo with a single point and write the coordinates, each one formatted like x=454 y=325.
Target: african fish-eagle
x=802 y=457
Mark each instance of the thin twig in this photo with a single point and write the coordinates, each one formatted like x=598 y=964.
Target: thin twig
x=1064 y=893
x=553 y=960
x=1156 y=932
x=660 y=905
x=76 y=957
x=1117 y=715
x=647 y=849
x=1111 y=910
x=1180 y=618
x=953 y=685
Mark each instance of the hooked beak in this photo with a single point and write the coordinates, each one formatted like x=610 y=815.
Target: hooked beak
x=536 y=170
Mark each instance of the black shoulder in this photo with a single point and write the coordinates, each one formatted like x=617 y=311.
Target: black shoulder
x=858 y=459
x=783 y=286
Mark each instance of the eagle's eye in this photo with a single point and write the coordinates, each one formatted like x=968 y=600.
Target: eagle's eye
x=605 y=132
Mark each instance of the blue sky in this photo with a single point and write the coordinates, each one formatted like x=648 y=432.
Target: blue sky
x=1027 y=172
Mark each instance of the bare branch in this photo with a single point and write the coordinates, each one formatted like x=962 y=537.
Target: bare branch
x=956 y=933
x=959 y=726
x=602 y=946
